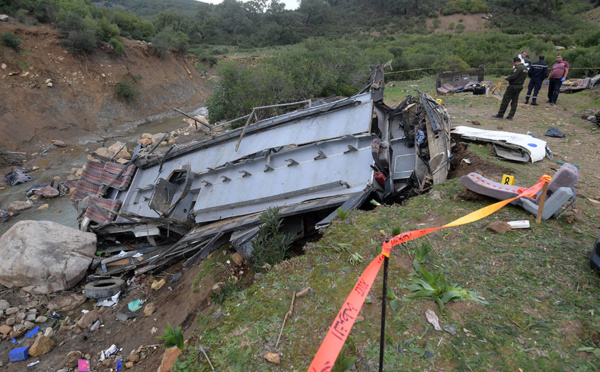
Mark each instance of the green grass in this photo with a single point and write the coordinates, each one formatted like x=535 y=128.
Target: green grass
x=542 y=297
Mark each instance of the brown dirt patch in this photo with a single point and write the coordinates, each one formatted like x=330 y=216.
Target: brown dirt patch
x=466 y=161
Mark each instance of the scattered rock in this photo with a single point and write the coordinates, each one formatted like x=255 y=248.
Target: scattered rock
x=20 y=317
x=145 y=141
x=217 y=287
x=157 y=137
x=237 y=258
x=133 y=358
x=129 y=365
x=66 y=252
x=11 y=321
x=436 y=195
x=31 y=317
x=4 y=305
x=18 y=331
x=29 y=325
x=499 y=226
x=3 y=18
x=66 y=302
x=273 y=358
x=103 y=151
x=123 y=154
x=49 y=332
x=59 y=143
x=12 y=310
x=168 y=360
x=41 y=319
x=42 y=345
x=19 y=206
x=72 y=358
x=303 y=292
x=149 y=309
x=5 y=329
x=88 y=319
x=43 y=206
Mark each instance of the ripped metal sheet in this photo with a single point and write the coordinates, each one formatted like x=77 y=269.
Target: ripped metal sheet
x=507 y=142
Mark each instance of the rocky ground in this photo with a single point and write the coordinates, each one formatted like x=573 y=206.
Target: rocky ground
x=64 y=319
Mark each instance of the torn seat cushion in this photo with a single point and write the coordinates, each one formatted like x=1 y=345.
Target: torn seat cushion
x=566 y=176
x=100 y=210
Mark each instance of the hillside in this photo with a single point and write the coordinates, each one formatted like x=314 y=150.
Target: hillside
x=80 y=104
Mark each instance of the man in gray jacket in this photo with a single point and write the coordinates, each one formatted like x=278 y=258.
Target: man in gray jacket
x=515 y=86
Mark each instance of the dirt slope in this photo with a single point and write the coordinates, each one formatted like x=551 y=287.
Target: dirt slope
x=81 y=104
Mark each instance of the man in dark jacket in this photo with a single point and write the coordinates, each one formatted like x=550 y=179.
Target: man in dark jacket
x=537 y=74
x=515 y=86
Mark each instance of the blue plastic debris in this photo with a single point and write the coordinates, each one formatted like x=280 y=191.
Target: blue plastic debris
x=19 y=354
x=119 y=365
x=32 y=333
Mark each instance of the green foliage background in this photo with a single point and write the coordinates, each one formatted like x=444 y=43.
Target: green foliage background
x=324 y=47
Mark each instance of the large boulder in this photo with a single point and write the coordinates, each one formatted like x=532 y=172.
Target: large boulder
x=44 y=257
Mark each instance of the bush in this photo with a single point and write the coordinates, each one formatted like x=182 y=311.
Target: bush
x=173 y=337
x=10 y=40
x=271 y=246
x=80 y=42
x=437 y=23
x=71 y=22
x=125 y=90
x=161 y=43
x=451 y=25
x=450 y=63
x=118 y=47
x=460 y=28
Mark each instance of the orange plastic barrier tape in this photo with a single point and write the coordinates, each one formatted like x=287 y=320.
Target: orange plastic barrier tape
x=344 y=321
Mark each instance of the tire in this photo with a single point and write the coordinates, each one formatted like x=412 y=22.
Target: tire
x=104 y=288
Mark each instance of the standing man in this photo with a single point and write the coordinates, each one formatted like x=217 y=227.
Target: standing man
x=515 y=86
x=524 y=59
x=559 y=73
x=537 y=74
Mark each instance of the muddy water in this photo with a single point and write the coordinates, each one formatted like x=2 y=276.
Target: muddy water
x=59 y=162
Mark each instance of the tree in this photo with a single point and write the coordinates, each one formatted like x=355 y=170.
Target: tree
x=315 y=11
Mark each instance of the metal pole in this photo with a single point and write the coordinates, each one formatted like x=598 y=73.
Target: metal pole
x=383 y=305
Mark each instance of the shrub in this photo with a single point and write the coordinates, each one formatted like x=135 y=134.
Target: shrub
x=71 y=22
x=460 y=28
x=21 y=16
x=118 y=47
x=125 y=90
x=437 y=23
x=271 y=246
x=173 y=337
x=451 y=25
x=80 y=42
x=10 y=40
x=450 y=63
x=161 y=43
x=226 y=290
